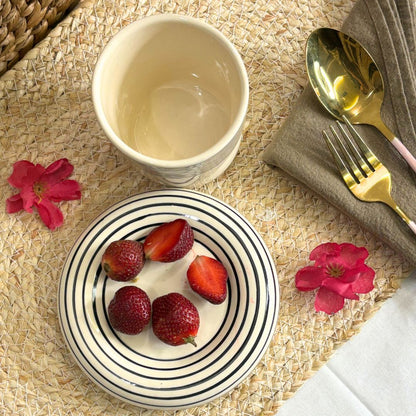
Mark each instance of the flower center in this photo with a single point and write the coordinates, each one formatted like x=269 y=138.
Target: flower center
x=39 y=189
x=335 y=270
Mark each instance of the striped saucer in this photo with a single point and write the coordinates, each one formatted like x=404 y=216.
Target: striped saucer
x=232 y=337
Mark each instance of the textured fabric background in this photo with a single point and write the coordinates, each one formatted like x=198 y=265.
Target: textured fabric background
x=47 y=113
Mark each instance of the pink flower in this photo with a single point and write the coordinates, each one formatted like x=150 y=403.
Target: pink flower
x=339 y=272
x=40 y=187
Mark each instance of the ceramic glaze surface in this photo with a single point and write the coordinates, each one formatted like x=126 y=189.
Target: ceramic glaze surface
x=171 y=91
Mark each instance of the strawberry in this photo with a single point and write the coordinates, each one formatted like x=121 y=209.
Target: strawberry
x=123 y=260
x=129 y=311
x=169 y=242
x=175 y=319
x=208 y=277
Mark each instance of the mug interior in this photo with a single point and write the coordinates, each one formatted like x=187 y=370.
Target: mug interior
x=170 y=89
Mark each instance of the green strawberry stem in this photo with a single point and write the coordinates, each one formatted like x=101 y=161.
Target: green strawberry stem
x=106 y=267
x=190 y=340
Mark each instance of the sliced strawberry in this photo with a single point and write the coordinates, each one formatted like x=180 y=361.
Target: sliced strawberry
x=169 y=242
x=208 y=277
x=175 y=319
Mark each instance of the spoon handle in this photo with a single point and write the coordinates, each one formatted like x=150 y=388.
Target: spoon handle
x=398 y=144
x=412 y=226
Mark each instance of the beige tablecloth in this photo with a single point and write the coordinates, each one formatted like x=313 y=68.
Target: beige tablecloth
x=47 y=114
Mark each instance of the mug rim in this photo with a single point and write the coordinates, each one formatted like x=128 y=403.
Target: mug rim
x=226 y=138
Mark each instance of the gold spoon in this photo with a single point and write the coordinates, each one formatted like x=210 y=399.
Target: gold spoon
x=348 y=83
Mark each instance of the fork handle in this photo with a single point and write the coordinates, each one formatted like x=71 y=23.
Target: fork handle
x=405 y=218
x=398 y=144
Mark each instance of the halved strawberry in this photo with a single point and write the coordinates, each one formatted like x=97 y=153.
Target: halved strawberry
x=208 y=277
x=169 y=242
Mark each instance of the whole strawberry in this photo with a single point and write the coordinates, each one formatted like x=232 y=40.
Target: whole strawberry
x=123 y=260
x=175 y=319
x=208 y=277
x=169 y=242
x=130 y=310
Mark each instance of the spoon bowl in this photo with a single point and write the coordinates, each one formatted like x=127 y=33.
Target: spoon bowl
x=348 y=83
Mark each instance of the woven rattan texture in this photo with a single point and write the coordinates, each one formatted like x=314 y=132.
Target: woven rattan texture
x=24 y=23
x=47 y=113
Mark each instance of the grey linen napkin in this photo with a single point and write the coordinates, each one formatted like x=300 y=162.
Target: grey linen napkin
x=386 y=28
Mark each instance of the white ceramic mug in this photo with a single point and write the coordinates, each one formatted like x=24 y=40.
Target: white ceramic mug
x=171 y=92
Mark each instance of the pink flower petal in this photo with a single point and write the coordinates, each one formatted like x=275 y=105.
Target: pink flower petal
x=339 y=287
x=364 y=282
x=14 y=204
x=23 y=171
x=64 y=191
x=351 y=256
x=29 y=197
x=321 y=253
x=328 y=301
x=309 y=278
x=57 y=171
x=50 y=214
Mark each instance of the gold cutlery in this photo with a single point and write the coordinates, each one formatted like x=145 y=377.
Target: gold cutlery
x=365 y=176
x=348 y=82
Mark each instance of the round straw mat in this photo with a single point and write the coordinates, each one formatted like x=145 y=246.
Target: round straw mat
x=47 y=114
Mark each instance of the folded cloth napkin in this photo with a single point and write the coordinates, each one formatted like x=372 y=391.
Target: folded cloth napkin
x=386 y=28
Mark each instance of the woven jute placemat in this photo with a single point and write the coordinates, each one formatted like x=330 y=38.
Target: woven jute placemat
x=24 y=23
x=47 y=114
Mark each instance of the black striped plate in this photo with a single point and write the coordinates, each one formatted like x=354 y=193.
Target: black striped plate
x=232 y=337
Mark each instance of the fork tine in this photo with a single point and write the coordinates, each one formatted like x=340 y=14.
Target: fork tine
x=363 y=164
x=349 y=179
x=371 y=158
x=353 y=167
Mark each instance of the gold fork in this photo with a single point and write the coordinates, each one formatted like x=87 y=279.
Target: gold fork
x=366 y=177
